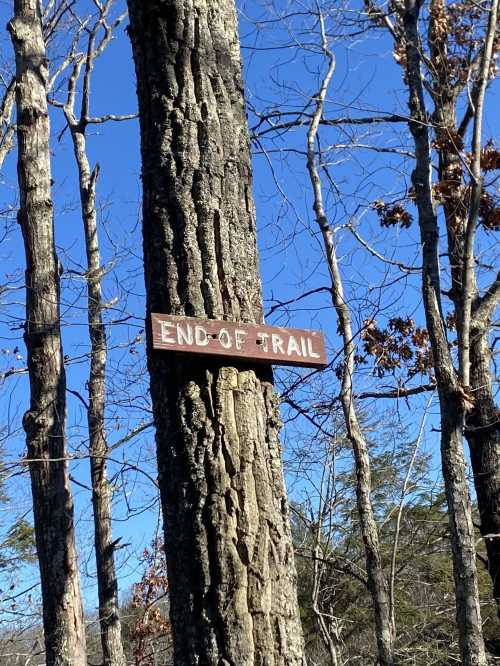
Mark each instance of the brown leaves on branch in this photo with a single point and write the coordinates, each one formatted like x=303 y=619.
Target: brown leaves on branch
x=462 y=19
x=450 y=141
x=466 y=41
x=490 y=157
x=391 y=215
x=448 y=191
x=454 y=40
x=401 y=344
x=149 y=622
x=452 y=189
x=440 y=20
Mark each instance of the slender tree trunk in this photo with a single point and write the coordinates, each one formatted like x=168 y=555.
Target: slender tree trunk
x=483 y=435
x=482 y=425
x=329 y=642
x=109 y=618
x=228 y=542
x=385 y=629
x=452 y=398
x=320 y=567
x=472 y=312
x=45 y=421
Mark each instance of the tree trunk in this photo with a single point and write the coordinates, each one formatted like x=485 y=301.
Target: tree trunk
x=228 y=543
x=45 y=421
x=109 y=618
x=462 y=529
x=483 y=435
x=452 y=398
x=385 y=630
x=482 y=424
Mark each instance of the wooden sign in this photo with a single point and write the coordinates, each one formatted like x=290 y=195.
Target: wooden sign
x=265 y=344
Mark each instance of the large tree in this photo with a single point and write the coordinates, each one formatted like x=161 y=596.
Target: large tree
x=227 y=534
x=44 y=422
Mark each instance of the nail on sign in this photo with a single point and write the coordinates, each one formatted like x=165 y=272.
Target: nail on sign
x=268 y=344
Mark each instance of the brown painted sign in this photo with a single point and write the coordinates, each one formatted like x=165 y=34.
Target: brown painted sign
x=268 y=344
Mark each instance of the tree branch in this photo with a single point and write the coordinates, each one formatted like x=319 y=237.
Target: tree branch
x=468 y=281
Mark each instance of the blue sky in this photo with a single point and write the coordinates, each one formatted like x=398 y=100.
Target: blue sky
x=282 y=69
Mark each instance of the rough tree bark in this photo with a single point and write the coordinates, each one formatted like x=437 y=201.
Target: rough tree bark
x=482 y=425
x=45 y=421
x=109 y=615
x=8 y=129
x=483 y=436
x=228 y=541
x=452 y=397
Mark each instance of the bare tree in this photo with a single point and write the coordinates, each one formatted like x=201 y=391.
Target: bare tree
x=450 y=66
x=466 y=398
x=44 y=422
x=384 y=619
x=99 y=36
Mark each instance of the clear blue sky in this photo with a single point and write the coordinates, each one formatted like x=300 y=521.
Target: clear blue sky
x=281 y=70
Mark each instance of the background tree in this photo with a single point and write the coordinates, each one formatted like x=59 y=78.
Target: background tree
x=82 y=65
x=44 y=423
x=377 y=582
x=456 y=64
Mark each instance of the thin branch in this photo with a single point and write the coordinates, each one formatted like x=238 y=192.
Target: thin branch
x=341 y=564
x=392 y=394
x=79 y=396
x=372 y=251
x=111 y=117
x=306 y=415
x=396 y=393
x=282 y=304
x=305 y=118
x=130 y=435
